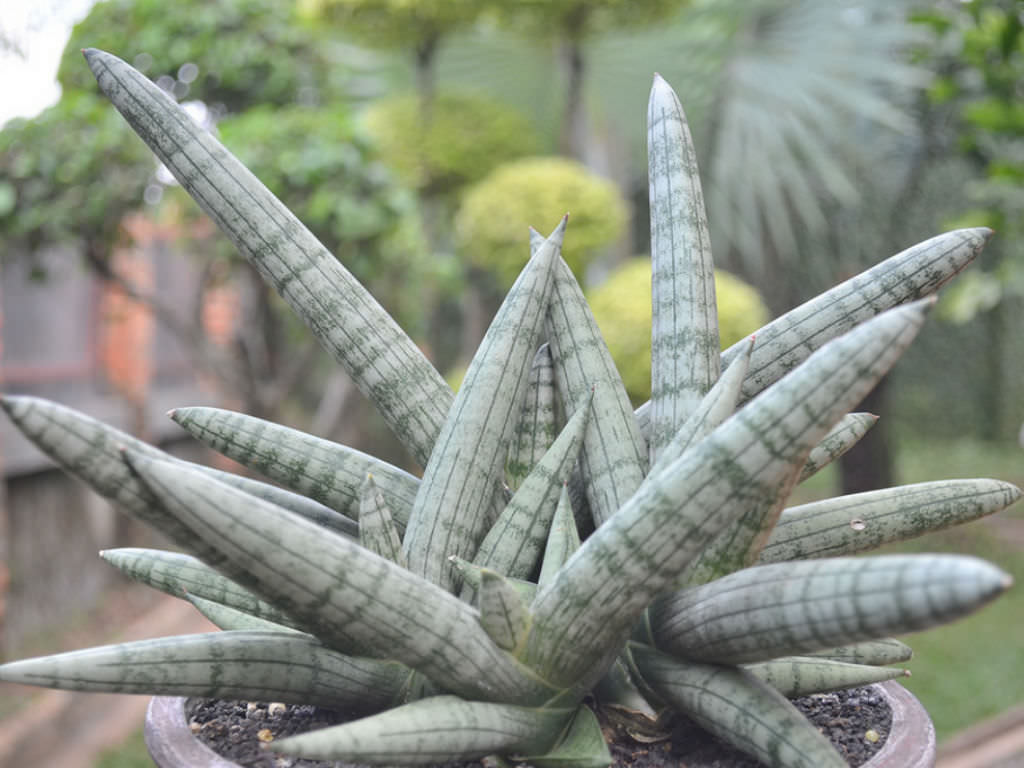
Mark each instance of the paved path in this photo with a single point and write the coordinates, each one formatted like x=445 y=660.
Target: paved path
x=69 y=730
x=994 y=743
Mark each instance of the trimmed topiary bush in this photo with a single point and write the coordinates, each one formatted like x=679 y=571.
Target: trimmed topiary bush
x=489 y=227
x=463 y=140
x=622 y=308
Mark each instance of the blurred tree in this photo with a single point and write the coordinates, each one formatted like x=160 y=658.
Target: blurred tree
x=980 y=55
x=568 y=25
x=416 y=26
x=230 y=54
x=70 y=174
x=493 y=222
x=467 y=137
x=75 y=172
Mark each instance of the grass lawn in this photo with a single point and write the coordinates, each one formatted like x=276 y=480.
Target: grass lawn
x=131 y=754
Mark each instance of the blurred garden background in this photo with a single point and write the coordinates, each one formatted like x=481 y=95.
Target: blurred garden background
x=418 y=141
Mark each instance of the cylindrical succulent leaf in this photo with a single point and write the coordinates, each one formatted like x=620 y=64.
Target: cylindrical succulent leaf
x=320 y=469
x=791 y=417
x=262 y=666
x=795 y=676
x=846 y=525
x=437 y=729
x=458 y=495
x=614 y=457
x=377 y=530
x=348 y=597
x=684 y=323
x=178 y=574
x=231 y=619
x=914 y=273
x=838 y=441
x=739 y=709
x=714 y=408
x=383 y=361
x=91 y=451
x=537 y=428
x=874 y=652
x=786 y=609
x=735 y=474
x=514 y=543
x=563 y=540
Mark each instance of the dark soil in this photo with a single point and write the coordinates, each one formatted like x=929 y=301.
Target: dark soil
x=233 y=729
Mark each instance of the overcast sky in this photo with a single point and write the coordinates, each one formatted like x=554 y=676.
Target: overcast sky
x=41 y=29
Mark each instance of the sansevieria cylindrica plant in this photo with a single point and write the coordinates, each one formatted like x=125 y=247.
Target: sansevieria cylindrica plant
x=459 y=614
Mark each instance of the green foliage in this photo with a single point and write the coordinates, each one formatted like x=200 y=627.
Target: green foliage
x=622 y=308
x=493 y=222
x=70 y=174
x=243 y=52
x=463 y=138
x=981 y=56
x=578 y=19
x=661 y=597
x=397 y=23
x=131 y=754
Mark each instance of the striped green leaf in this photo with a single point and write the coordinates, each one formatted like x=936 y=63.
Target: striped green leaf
x=919 y=271
x=714 y=408
x=622 y=701
x=563 y=540
x=377 y=530
x=614 y=457
x=684 y=332
x=874 y=652
x=582 y=745
x=590 y=605
x=503 y=614
x=260 y=666
x=180 y=575
x=787 y=609
x=458 y=495
x=91 y=451
x=838 y=441
x=537 y=427
x=845 y=525
x=513 y=545
x=348 y=597
x=437 y=729
x=804 y=406
x=231 y=619
x=320 y=469
x=795 y=676
x=739 y=709
x=911 y=274
x=301 y=505
x=383 y=361
x=473 y=575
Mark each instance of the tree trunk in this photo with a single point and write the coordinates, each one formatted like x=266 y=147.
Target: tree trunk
x=573 y=141
x=868 y=465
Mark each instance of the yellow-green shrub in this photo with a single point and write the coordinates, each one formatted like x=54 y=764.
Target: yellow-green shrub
x=622 y=307
x=463 y=140
x=492 y=225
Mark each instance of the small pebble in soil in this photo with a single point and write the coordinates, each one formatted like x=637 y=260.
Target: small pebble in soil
x=856 y=721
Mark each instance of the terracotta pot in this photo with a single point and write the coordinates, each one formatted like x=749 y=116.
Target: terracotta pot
x=911 y=742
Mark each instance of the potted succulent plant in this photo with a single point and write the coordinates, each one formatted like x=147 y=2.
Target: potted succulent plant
x=462 y=611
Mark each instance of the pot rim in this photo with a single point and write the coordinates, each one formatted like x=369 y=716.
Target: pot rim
x=910 y=744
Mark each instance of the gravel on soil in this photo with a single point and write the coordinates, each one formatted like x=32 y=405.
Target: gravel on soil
x=237 y=729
